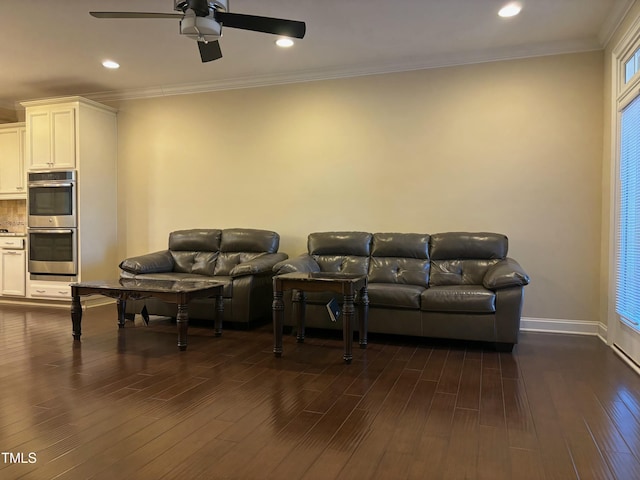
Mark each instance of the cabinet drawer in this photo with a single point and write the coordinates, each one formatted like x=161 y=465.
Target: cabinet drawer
x=12 y=243
x=37 y=290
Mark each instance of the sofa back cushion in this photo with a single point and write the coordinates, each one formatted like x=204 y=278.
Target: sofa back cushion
x=463 y=258
x=249 y=240
x=195 y=251
x=195 y=240
x=401 y=258
x=240 y=245
x=344 y=252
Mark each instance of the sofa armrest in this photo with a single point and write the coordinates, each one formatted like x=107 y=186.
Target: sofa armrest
x=155 y=262
x=262 y=264
x=505 y=273
x=302 y=263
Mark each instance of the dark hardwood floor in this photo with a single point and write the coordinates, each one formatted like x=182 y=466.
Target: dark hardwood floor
x=128 y=405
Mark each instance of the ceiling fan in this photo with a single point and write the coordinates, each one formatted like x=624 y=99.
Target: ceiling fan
x=202 y=20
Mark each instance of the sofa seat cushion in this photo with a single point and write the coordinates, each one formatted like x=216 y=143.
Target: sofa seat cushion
x=322 y=298
x=386 y=295
x=394 y=295
x=459 y=299
x=190 y=277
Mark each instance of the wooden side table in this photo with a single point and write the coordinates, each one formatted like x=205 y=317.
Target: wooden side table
x=345 y=284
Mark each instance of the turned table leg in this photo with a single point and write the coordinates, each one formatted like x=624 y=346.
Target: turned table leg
x=122 y=305
x=299 y=304
x=182 y=320
x=348 y=310
x=219 y=315
x=278 y=320
x=363 y=317
x=76 y=316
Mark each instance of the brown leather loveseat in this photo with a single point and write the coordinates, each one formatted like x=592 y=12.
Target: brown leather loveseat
x=457 y=285
x=241 y=258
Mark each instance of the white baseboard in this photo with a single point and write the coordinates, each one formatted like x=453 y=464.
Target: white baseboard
x=573 y=327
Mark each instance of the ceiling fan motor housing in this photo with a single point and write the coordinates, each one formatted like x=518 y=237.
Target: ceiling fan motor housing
x=183 y=5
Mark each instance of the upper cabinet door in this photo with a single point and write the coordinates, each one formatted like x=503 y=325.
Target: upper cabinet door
x=51 y=138
x=63 y=138
x=39 y=139
x=12 y=175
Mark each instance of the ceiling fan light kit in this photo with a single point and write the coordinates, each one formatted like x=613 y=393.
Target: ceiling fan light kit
x=202 y=20
x=202 y=29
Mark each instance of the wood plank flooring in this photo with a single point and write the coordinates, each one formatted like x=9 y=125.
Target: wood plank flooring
x=127 y=404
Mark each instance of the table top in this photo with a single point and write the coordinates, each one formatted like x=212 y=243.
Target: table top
x=145 y=285
x=329 y=277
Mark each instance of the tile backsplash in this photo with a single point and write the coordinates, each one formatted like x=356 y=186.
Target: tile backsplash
x=13 y=215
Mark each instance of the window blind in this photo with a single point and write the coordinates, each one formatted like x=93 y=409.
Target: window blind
x=628 y=281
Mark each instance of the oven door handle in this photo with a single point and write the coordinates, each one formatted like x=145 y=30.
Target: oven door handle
x=51 y=230
x=51 y=184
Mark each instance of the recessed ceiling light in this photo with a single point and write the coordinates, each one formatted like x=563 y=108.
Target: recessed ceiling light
x=510 y=9
x=284 y=42
x=110 y=64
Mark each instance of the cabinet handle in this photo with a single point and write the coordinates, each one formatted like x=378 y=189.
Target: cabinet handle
x=41 y=291
x=61 y=292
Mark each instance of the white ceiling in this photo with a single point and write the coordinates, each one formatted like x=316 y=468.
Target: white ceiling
x=53 y=48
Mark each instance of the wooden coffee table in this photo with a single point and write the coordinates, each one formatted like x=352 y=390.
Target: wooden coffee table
x=345 y=284
x=178 y=292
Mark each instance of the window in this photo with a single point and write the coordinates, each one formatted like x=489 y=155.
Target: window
x=623 y=300
x=628 y=261
x=631 y=66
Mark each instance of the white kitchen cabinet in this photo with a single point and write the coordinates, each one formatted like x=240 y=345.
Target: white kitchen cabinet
x=12 y=173
x=76 y=133
x=51 y=137
x=13 y=267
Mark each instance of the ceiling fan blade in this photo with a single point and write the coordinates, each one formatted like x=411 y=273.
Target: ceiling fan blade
x=134 y=15
x=277 y=26
x=209 y=51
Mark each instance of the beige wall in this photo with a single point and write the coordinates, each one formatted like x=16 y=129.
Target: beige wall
x=512 y=147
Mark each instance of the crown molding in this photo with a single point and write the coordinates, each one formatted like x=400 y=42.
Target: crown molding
x=613 y=21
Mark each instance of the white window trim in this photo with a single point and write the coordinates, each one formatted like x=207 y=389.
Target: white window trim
x=621 y=95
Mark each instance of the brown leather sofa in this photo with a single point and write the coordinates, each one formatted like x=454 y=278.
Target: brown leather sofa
x=456 y=285
x=241 y=258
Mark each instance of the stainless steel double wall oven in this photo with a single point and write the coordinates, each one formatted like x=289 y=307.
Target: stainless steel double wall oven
x=52 y=223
